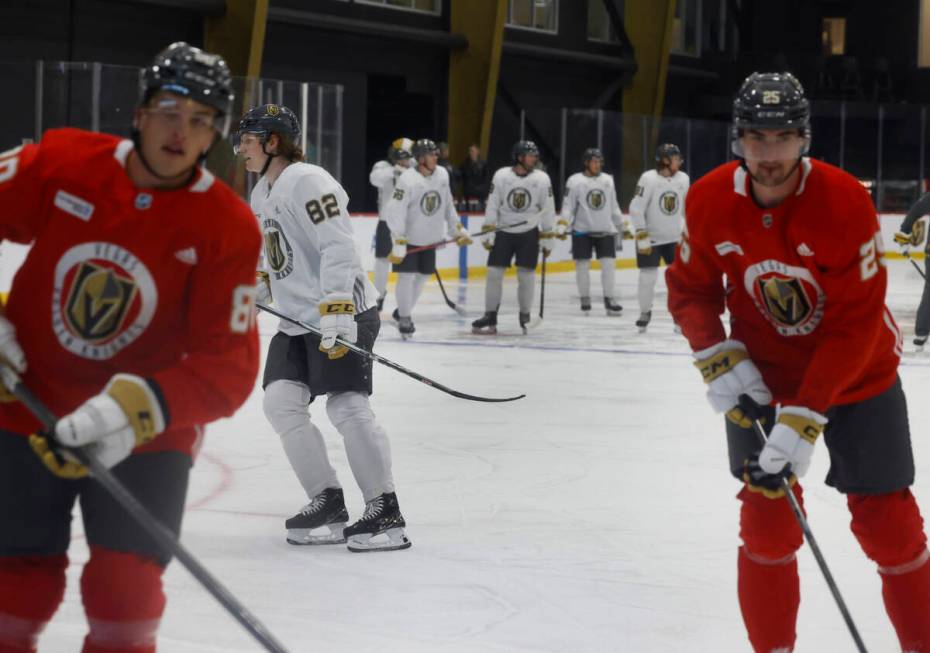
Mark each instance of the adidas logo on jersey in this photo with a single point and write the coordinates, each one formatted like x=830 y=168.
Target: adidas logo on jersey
x=188 y=256
x=804 y=250
x=74 y=205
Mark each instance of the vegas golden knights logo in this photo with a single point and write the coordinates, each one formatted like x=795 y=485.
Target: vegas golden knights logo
x=274 y=252
x=668 y=202
x=519 y=199
x=596 y=199
x=785 y=300
x=430 y=202
x=273 y=109
x=98 y=302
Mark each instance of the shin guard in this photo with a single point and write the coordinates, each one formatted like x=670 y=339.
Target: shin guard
x=31 y=588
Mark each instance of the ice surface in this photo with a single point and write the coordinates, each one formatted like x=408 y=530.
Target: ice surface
x=597 y=514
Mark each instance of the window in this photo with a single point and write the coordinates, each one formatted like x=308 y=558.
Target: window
x=599 y=26
x=686 y=33
x=424 y=6
x=539 y=15
x=833 y=36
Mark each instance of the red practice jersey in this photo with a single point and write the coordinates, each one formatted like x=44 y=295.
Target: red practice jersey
x=158 y=283
x=804 y=283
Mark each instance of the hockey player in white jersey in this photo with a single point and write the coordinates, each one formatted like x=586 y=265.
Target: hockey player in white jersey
x=519 y=194
x=657 y=214
x=420 y=212
x=383 y=176
x=591 y=214
x=313 y=273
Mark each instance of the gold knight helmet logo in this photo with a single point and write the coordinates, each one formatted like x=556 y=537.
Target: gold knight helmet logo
x=99 y=300
x=273 y=250
x=668 y=202
x=272 y=110
x=518 y=199
x=785 y=300
x=430 y=202
x=596 y=199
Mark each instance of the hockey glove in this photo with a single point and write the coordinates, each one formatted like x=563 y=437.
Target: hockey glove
x=263 y=287
x=643 y=244
x=547 y=242
x=111 y=424
x=903 y=239
x=561 y=229
x=488 y=241
x=768 y=485
x=729 y=373
x=618 y=243
x=59 y=462
x=398 y=251
x=11 y=354
x=792 y=440
x=337 y=320
x=462 y=239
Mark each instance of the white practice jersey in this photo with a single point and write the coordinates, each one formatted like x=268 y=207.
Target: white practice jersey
x=590 y=204
x=384 y=176
x=516 y=199
x=658 y=206
x=309 y=251
x=421 y=208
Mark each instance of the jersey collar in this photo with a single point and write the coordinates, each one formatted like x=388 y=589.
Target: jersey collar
x=741 y=178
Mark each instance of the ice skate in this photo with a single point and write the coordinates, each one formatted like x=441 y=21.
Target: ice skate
x=586 y=305
x=524 y=322
x=613 y=309
x=321 y=521
x=486 y=325
x=381 y=302
x=919 y=342
x=406 y=328
x=381 y=528
x=643 y=321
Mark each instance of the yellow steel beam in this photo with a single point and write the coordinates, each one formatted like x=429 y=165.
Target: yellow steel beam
x=239 y=35
x=473 y=72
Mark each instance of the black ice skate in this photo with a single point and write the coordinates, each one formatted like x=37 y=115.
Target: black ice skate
x=321 y=521
x=486 y=325
x=920 y=341
x=586 y=305
x=524 y=322
x=381 y=528
x=613 y=309
x=406 y=328
x=381 y=302
x=643 y=321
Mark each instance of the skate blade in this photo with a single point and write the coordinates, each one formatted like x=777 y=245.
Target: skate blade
x=641 y=329
x=393 y=539
x=489 y=331
x=614 y=313
x=328 y=534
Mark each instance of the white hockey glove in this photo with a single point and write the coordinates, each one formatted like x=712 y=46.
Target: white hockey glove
x=561 y=229
x=729 y=373
x=792 y=440
x=643 y=243
x=108 y=426
x=337 y=320
x=547 y=242
x=462 y=239
x=263 y=288
x=398 y=251
x=488 y=230
x=11 y=354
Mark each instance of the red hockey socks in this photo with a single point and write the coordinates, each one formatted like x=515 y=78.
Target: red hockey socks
x=31 y=588
x=890 y=530
x=768 y=585
x=123 y=600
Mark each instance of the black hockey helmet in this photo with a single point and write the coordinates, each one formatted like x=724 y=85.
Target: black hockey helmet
x=424 y=146
x=667 y=151
x=185 y=70
x=522 y=148
x=770 y=101
x=592 y=153
x=400 y=150
x=267 y=118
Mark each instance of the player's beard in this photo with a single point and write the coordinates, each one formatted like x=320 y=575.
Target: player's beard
x=772 y=176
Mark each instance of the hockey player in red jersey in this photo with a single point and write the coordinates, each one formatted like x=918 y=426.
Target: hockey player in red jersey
x=791 y=247
x=132 y=317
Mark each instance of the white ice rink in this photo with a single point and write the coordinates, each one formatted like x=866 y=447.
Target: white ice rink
x=596 y=515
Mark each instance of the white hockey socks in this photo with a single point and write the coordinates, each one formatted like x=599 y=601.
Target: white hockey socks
x=367 y=446
x=526 y=283
x=608 y=276
x=405 y=292
x=285 y=406
x=418 y=284
x=382 y=270
x=647 y=288
x=583 y=276
x=493 y=289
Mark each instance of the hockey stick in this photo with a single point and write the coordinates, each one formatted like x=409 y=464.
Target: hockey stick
x=752 y=410
x=423 y=248
x=542 y=286
x=385 y=361
x=451 y=304
x=164 y=537
x=914 y=263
